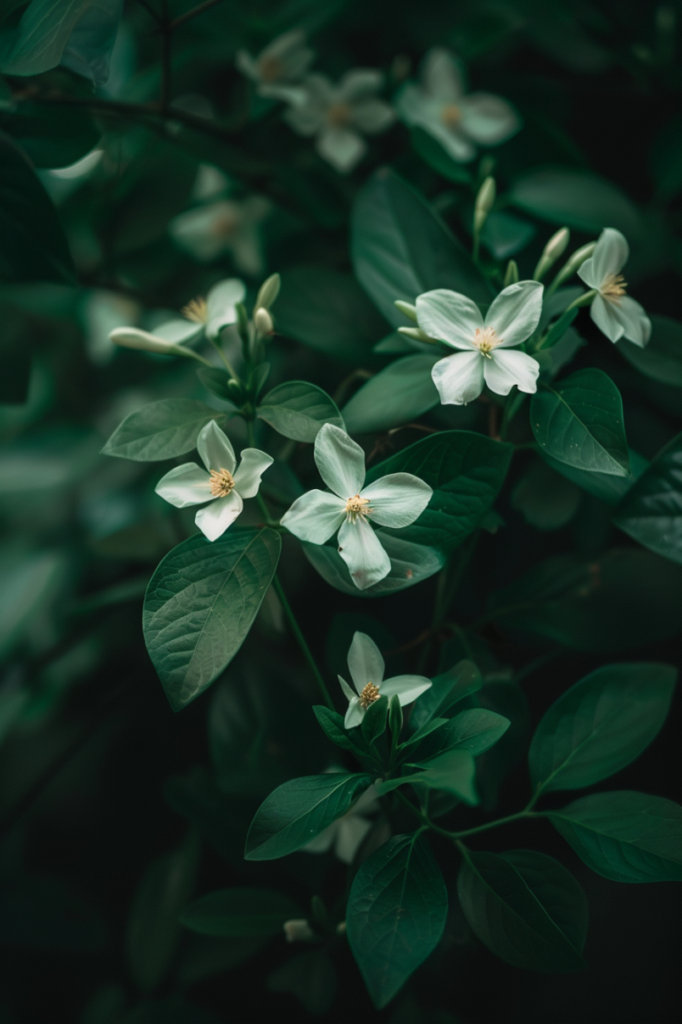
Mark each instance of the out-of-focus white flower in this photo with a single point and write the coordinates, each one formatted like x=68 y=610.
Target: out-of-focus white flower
x=339 y=115
x=347 y=832
x=459 y=122
x=102 y=311
x=279 y=66
x=228 y=225
x=615 y=313
x=298 y=930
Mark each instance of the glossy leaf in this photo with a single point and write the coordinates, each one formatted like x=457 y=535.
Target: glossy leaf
x=432 y=153
x=661 y=358
x=526 y=908
x=600 y=725
x=47 y=140
x=605 y=486
x=374 y=720
x=401 y=248
x=410 y=563
x=451 y=771
x=625 y=836
x=37 y=43
x=201 y=603
x=474 y=730
x=160 y=430
x=240 y=913
x=299 y=810
x=89 y=47
x=445 y=691
x=396 y=914
x=298 y=410
x=580 y=422
x=577 y=199
x=401 y=392
x=331 y=723
x=651 y=510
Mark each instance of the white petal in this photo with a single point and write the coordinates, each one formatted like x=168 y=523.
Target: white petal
x=340 y=461
x=634 y=321
x=397 y=499
x=198 y=231
x=132 y=337
x=347 y=692
x=360 y=83
x=449 y=316
x=610 y=255
x=178 y=332
x=315 y=516
x=488 y=119
x=221 y=301
x=367 y=803
x=365 y=662
x=185 y=485
x=508 y=367
x=354 y=714
x=216 y=517
x=215 y=449
x=343 y=148
x=252 y=466
x=372 y=115
x=459 y=378
x=408 y=688
x=603 y=314
x=352 y=830
x=441 y=75
x=245 y=63
x=453 y=140
x=515 y=313
x=362 y=552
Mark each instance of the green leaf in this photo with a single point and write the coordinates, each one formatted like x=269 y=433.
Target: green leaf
x=505 y=234
x=552 y=360
x=50 y=138
x=374 y=720
x=401 y=248
x=452 y=771
x=88 y=50
x=651 y=510
x=311 y=977
x=299 y=810
x=37 y=43
x=547 y=500
x=396 y=914
x=32 y=244
x=625 y=836
x=298 y=410
x=661 y=359
x=410 y=564
x=160 y=430
x=331 y=723
x=605 y=486
x=217 y=382
x=474 y=730
x=403 y=391
x=601 y=724
x=580 y=422
x=446 y=689
x=201 y=603
x=240 y=913
x=526 y=908
x=466 y=472
x=329 y=312
x=577 y=199
x=432 y=153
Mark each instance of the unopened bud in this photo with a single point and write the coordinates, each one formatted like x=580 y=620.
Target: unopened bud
x=485 y=200
x=133 y=337
x=341 y=928
x=574 y=262
x=269 y=291
x=511 y=274
x=263 y=321
x=417 y=334
x=298 y=930
x=407 y=309
x=554 y=249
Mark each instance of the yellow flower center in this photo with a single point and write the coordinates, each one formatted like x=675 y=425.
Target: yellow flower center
x=270 y=69
x=357 y=507
x=614 y=287
x=338 y=115
x=451 y=115
x=196 y=310
x=221 y=483
x=486 y=340
x=369 y=695
x=225 y=225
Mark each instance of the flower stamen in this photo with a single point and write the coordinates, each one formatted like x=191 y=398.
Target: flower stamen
x=196 y=310
x=270 y=68
x=221 y=483
x=369 y=694
x=338 y=115
x=614 y=287
x=357 y=508
x=486 y=340
x=451 y=115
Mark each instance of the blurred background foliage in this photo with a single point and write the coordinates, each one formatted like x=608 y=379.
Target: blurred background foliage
x=113 y=810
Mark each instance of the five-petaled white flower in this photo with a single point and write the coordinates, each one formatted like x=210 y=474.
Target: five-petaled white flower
x=337 y=114
x=395 y=500
x=218 y=484
x=279 y=66
x=487 y=357
x=367 y=667
x=347 y=832
x=614 y=312
x=227 y=225
x=459 y=122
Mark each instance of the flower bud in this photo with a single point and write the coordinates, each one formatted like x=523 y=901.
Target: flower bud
x=511 y=274
x=298 y=930
x=417 y=334
x=574 y=262
x=133 y=337
x=263 y=321
x=407 y=309
x=269 y=291
x=485 y=200
x=554 y=249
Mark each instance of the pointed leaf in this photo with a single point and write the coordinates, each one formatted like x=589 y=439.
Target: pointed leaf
x=160 y=430
x=446 y=689
x=298 y=410
x=651 y=510
x=410 y=564
x=661 y=358
x=402 y=392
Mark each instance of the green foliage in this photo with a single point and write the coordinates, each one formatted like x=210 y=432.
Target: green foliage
x=651 y=511
x=239 y=913
x=298 y=410
x=576 y=198
x=401 y=392
x=160 y=430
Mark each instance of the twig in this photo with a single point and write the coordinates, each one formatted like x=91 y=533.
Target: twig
x=195 y=12
x=150 y=11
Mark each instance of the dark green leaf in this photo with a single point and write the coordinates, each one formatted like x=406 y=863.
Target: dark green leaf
x=374 y=720
x=298 y=410
x=546 y=499
x=401 y=248
x=396 y=913
x=580 y=422
x=526 y=908
x=160 y=430
x=332 y=725
x=577 y=199
x=37 y=43
x=240 y=913
x=311 y=977
x=601 y=724
x=651 y=510
x=216 y=381
x=446 y=689
x=661 y=358
x=50 y=139
x=474 y=730
x=88 y=50
x=452 y=771
x=505 y=234
x=299 y=810
x=432 y=153
x=605 y=486
x=401 y=392
x=410 y=564
x=625 y=836
x=201 y=603
x=552 y=360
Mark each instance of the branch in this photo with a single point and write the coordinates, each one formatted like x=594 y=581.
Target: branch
x=206 y=6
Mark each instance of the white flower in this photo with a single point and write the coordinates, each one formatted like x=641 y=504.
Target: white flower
x=395 y=500
x=217 y=310
x=367 y=667
x=457 y=321
x=337 y=114
x=224 y=488
x=459 y=122
x=283 y=61
x=298 y=930
x=614 y=312
x=347 y=832
x=227 y=225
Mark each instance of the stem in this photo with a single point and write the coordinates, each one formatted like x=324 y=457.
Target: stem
x=164 y=98
x=224 y=358
x=150 y=11
x=295 y=629
x=188 y=352
x=526 y=813
x=182 y=18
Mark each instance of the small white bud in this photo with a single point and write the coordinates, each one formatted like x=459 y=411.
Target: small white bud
x=574 y=262
x=485 y=200
x=511 y=274
x=407 y=309
x=263 y=321
x=417 y=334
x=298 y=930
x=555 y=248
x=132 y=337
x=341 y=928
x=269 y=291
